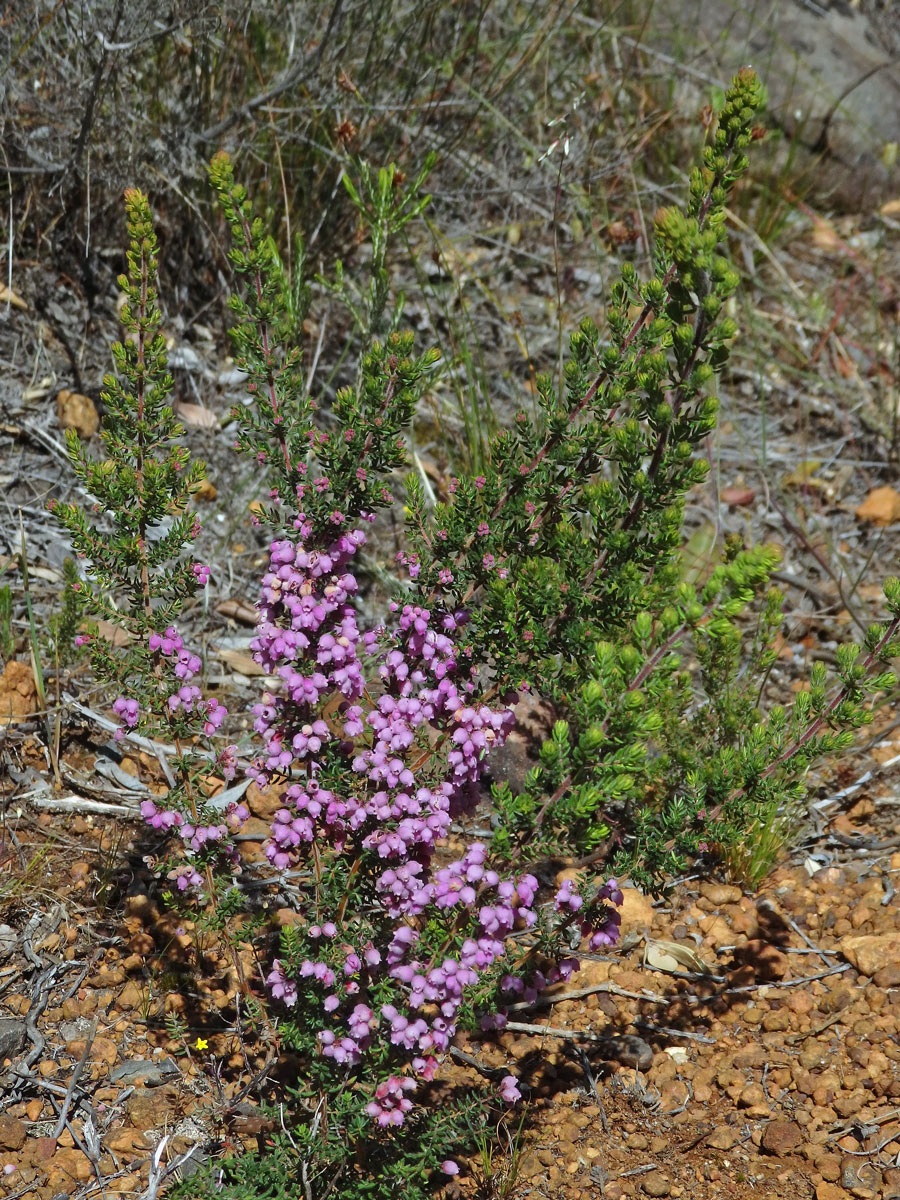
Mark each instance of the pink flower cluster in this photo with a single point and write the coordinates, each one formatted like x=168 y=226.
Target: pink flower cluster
x=391 y=1102
x=184 y=696
x=599 y=922
x=128 y=711
x=197 y=836
x=379 y=783
x=389 y=820
x=184 y=666
x=208 y=832
x=170 y=645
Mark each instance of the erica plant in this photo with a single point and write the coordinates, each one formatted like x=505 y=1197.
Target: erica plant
x=134 y=535
x=567 y=555
x=376 y=741
x=557 y=571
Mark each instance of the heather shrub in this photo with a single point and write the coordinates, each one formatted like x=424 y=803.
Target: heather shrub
x=566 y=555
x=135 y=539
x=557 y=572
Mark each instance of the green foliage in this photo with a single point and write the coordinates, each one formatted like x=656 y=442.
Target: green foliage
x=134 y=541
x=370 y=415
x=385 y=207
x=140 y=519
x=567 y=552
x=578 y=524
x=750 y=859
x=63 y=626
x=7 y=637
x=315 y=1158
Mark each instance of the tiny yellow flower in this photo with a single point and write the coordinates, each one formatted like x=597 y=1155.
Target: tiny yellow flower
x=201 y=1043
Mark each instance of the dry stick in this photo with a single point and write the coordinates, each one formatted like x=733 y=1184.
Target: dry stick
x=874 y=1150
x=670 y=1032
x=752 y=987
x=73 y=1082
x=79 y=804
x=585 y=1063
x=639 y=1170
x=706 y=1131
x=859 y=261
x=579 y=993
x=25 y=1191
x=829 y=962
x=567 y=1035
x=820 y=558
x=492 y=1073
x=35 y=1080
x=835 y=319
x=40 y=999
x=815 y=1030
x=160 y=749
x=882 y=1120
x=257 y=1079
x=805 y=585
x=287 y=81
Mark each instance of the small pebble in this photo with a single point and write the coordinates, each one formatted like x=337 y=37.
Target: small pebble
x=656 y=1184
